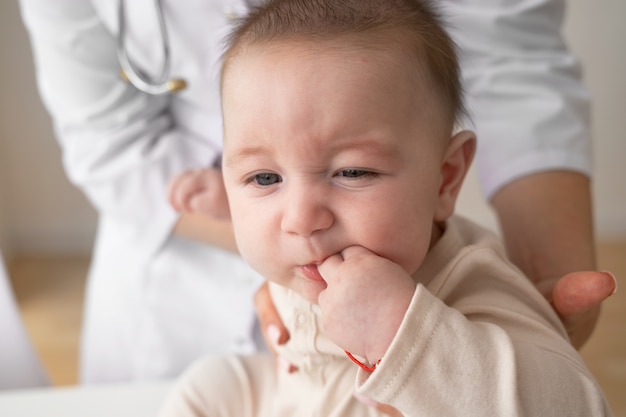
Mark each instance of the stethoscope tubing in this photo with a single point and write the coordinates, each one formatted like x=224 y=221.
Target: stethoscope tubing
x=161 y=84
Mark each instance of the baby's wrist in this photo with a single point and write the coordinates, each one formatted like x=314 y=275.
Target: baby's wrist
x=387 y=328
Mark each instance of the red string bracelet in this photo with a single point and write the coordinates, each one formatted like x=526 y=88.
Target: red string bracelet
x=361 y=364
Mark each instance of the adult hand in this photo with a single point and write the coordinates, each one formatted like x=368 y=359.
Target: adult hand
x=200 y=191
x=388 y=410
x=577 y=297
x=274 y=331
x=546 y=221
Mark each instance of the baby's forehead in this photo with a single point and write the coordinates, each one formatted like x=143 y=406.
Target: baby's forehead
x=373 y=63
x=356 y=51
x=412 y=31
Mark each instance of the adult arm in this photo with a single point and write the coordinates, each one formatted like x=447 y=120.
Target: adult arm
x=546 y=223
x=531 y=113
x=214 y=232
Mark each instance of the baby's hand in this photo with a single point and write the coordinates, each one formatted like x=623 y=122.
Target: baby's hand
x=365 y=301
x=199 y=191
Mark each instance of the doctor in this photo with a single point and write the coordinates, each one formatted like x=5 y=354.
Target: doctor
x=166 y=288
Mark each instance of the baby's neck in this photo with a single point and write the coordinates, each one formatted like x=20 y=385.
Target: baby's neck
x=437 y=232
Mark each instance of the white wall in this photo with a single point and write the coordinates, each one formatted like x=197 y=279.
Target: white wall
x=597 y=33
x=5 y=245
x=41 y=212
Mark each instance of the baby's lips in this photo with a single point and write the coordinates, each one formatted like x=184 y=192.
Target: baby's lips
x=311 y=271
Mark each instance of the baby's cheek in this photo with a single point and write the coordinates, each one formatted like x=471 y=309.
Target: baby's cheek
x=243 y=237
x=245 y=244
x=258 y=256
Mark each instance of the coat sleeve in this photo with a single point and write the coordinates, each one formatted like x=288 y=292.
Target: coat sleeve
x=119 y=146
x=484 y=346
x=524 y=89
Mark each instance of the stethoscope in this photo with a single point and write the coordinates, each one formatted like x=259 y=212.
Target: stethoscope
x=159 y=85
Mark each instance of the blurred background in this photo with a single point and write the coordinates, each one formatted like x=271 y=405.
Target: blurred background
x=47 y=226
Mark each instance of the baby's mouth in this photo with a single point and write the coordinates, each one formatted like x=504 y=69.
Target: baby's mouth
x=311 y=272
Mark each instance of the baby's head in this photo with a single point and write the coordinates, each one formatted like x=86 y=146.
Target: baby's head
x=408 y=33
x=338 y=131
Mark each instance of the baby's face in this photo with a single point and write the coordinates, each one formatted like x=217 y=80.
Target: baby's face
x=324 y=150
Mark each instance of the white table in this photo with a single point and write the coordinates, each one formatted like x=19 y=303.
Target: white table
x=117 y=400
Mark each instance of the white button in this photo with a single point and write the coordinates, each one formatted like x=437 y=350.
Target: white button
x=301 y=318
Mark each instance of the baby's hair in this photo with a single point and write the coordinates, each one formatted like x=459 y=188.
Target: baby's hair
x=414 y=25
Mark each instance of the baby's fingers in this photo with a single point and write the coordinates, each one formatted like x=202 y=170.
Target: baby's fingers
x=331 y=264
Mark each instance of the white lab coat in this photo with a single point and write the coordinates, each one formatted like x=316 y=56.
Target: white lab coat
x=155 y=303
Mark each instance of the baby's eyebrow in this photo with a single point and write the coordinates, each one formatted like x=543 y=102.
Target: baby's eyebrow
x=366 y=145
x=360 y=144
x=245 y=153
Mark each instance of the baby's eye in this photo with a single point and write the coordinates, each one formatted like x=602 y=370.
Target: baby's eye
x=266 y=178
x=355 y=173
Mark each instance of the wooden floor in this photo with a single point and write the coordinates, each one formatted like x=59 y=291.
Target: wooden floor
x=49 y=291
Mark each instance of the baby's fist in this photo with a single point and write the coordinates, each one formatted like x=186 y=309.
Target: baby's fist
x=365 y=301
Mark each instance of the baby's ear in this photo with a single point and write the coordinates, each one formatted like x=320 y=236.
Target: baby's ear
x=456 y=162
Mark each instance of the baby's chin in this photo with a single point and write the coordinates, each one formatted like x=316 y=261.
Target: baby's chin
x=311 y=291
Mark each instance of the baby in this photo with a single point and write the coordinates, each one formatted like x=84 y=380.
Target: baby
x=342 y=164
